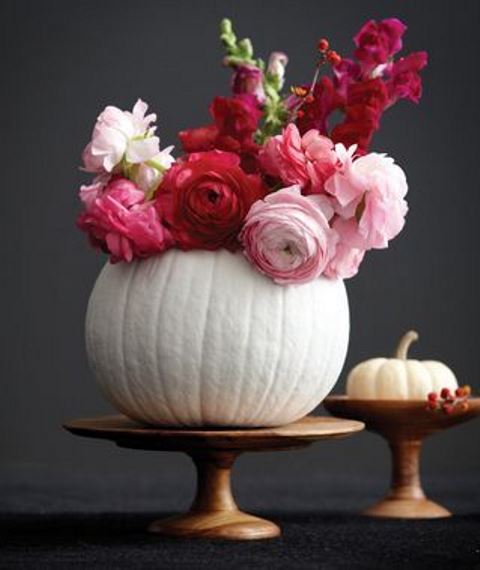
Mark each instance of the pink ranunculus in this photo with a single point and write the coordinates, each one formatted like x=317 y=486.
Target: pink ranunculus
x=119 y=221
x=369 y=192
x=378 y=41
x=287 y=237
x=248 y=80
x=347 y=259
x=118 y=134
x=307 y=160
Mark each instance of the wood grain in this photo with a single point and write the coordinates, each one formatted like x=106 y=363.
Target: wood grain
x=404 y=424
x=214 y=512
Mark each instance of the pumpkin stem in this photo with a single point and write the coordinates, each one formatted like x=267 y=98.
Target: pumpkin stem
x=404 y=344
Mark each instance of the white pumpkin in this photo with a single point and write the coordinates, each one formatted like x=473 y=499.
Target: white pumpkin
x=202 y=338
x=399 y=378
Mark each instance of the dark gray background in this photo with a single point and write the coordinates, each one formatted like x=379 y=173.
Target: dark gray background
x=62 y=62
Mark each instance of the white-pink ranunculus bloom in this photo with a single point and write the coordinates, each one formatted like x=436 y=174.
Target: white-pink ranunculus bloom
x=118 y=134
x=287 y=236
x=369 y=192
x=307 y=160
x=148 y=175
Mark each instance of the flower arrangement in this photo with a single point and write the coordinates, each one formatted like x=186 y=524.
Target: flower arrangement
x=270 y=176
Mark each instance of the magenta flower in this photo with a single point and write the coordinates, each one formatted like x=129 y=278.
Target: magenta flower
x=404 y=79
x=119 y=221
x=248 y=80
x=378 y=41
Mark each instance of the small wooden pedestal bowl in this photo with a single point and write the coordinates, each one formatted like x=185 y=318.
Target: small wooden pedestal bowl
x=214 y=513
x=404 y=424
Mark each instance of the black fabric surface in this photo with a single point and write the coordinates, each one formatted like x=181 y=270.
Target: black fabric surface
x=53 y=518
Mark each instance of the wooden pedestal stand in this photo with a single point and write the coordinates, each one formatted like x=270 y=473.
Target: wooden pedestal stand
x=404 y=424
x=214 y=513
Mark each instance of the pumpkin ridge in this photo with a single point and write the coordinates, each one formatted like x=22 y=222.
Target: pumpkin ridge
x=234 y=408
x=204 y=338
x=186 y=315
x=259 y=411
x=142 y=403
x=125 y=379
x=159 y=302
x=304 y=362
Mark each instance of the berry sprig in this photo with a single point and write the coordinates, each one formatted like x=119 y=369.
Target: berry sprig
x=304 y=94
x=447 y=401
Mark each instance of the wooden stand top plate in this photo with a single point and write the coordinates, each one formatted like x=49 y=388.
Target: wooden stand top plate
x=214 y=513
x=127 y=433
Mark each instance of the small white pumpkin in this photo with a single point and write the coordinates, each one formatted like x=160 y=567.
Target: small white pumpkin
x=399 y=378
x=202 y=338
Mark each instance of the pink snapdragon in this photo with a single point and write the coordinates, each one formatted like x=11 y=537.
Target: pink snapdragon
x=121 y=135
x=307 y=160
x=119 y=220
x=287 y=236
x=248 y=80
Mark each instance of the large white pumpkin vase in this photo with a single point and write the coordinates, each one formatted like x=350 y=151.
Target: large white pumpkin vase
x=203 y=339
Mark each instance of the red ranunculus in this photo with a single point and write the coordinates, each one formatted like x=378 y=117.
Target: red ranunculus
x=236 y=120
x=204 y=200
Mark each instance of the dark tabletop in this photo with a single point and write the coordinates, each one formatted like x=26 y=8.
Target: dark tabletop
x=57 y=518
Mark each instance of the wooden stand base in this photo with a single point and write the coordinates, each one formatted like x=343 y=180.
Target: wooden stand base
x=407 y=509
x=214 y=513
x=404 y=424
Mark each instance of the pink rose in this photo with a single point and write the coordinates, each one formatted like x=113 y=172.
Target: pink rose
x=119 y=221
x=287 y=236
x=369 y=193
x=307 y=160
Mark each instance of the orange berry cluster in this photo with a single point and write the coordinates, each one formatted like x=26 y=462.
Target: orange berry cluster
x=305 y=94
x=330 y=55
x=447 y=401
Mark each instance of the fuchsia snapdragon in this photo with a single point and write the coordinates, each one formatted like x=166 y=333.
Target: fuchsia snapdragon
x=270 y=175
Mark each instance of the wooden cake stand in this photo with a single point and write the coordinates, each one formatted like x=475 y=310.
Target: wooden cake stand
x=404 y=424
x=214 y=513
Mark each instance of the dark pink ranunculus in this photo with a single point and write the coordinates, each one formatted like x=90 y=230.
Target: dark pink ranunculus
x=404 y=81
x=119 y=221
x=378 y=41
x=204 y=200
x=248 y=80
